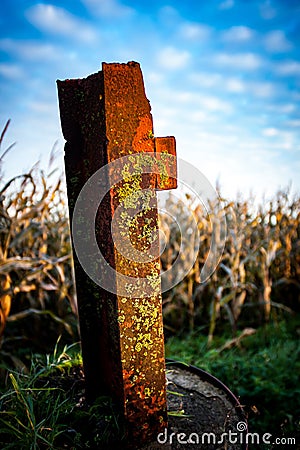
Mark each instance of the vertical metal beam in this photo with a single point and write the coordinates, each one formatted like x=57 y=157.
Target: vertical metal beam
x=106 y=117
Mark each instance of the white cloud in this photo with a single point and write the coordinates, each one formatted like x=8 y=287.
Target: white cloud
x=241 y=161
x=169 y=13
x=235 y=85
x=154 y=77
x=212 y=103
x=108 y=8
x=285 y=140
x=288 y=68
x=29 y=50
x=226 y=4
x=267 y=11
x=238 y=34
x=193 y=100
x=57 y=20
x=205 y=80
x=286 y=108
x=263 y=89
x=172 y=58
x=294 y=123
x=184 y=96
x=270 y=132
x=195 y=31
x=246 y=61
x=200 y=116
x=276 y=42
x=11 y=71
x=288 y=142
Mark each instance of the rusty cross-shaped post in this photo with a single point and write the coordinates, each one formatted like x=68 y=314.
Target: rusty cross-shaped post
x=105 y=120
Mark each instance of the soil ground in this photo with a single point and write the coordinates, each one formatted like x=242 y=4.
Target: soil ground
x=201 y=414
x=211 y=420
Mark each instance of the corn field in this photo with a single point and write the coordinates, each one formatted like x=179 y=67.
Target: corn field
x=258 y=273
x=257 y=277
x=37 y=299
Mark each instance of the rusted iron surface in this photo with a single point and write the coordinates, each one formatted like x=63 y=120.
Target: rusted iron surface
x=83 y=125
x=167 y=178
x=106 y=117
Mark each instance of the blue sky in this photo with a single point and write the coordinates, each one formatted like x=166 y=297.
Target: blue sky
x=223 y=76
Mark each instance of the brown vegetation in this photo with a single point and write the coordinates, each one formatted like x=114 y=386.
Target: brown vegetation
x=258 y=274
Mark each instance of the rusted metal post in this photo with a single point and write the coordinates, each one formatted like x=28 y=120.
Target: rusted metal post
x=106 y=117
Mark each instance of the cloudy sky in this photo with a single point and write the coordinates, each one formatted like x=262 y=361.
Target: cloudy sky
x=223 y=76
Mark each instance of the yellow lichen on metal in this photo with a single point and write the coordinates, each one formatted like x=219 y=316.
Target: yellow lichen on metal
x=139 y=314
x=106 y=117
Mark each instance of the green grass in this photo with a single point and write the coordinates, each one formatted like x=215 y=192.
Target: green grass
x=44 y=409
x=263 y=372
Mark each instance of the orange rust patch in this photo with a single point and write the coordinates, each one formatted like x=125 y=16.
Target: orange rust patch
x=104 y=117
